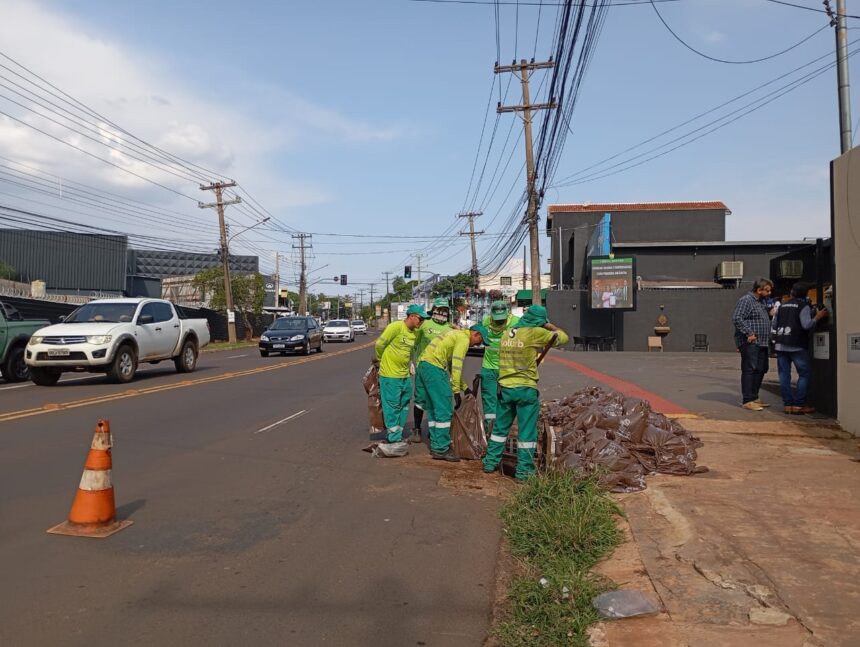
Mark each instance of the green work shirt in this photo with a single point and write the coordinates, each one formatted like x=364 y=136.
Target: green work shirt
x=426 y=333
x=448 y=352
x=518 y=355
x=394 y=350
x=497 y=329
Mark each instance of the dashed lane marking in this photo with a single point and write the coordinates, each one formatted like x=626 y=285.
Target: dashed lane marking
x=134 y=393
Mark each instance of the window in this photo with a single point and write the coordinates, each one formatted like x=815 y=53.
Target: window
x=163 y=312
x=149 y=310
x=505 y=281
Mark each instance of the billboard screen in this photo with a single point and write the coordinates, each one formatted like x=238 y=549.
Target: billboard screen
x=613 y=283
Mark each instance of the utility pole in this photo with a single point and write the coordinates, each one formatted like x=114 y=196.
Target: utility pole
x=372 y=311
x=418 y=258
x=361 y=301
x=524 y=267
x=388 y=294
x=524 y=69
x=219 y=204
x=472 y=233
x=839 y=21
x=303 y=277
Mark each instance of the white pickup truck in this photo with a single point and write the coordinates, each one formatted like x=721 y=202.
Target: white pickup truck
x=113 y=336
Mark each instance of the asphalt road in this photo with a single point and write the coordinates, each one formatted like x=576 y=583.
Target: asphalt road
x=257 y=519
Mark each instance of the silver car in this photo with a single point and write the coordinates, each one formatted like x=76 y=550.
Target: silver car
x=338 y=330
x=359 y=326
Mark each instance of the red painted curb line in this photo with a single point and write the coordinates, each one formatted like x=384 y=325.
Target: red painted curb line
x=659 y=404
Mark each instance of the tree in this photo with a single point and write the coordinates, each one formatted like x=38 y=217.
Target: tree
x=7 y=272
x=249 y=293
x=457 y=283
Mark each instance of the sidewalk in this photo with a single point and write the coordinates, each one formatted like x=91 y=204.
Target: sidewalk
x=762 y=549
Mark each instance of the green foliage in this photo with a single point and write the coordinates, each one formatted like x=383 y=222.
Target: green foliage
x=7 y=272
x=249 y=290
x=559 y=526
x=456 y=283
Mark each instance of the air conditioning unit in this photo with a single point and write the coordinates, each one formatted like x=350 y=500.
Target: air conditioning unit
x=730 y=271
x=790 y=269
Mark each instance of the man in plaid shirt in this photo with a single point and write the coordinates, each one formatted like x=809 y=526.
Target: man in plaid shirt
x=752 y=333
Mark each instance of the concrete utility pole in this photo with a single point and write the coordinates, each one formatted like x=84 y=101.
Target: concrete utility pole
x=303 y=277
x=523 y=69
x=372 y=311
x=219 y=204
x=387 y=289
x=472 y=233
x=839 y=21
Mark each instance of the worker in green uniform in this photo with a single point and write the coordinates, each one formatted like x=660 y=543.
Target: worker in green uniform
x=435 y=385
x=438 y=324
x=518 y=382
x=393 y=355
x=497 y=322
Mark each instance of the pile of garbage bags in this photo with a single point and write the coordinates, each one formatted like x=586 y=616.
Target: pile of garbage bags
x=594 y=429
x=376 y=423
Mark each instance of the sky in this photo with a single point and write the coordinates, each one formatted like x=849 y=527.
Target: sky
x=360 y=120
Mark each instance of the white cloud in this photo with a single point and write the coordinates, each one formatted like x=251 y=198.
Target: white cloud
x=714 y=36
x=146 y=97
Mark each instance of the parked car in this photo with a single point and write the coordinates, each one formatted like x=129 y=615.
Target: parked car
x=359 y=326
x=338 y=330
x=15 y=332
x=113 y=336
x=291 y=334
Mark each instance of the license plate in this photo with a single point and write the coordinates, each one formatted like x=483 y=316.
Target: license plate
x=279 y=345
x=58 y=352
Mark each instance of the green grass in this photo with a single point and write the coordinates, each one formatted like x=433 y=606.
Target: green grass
x=559 y=527
x=225 y=345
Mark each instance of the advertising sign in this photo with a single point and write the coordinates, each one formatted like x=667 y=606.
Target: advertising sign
x=613 y=283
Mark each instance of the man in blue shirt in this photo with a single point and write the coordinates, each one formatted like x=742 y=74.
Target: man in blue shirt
x=791 y=327
x=752 y=332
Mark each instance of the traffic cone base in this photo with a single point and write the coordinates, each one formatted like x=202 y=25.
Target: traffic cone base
x=89 y=530
x=93 y=512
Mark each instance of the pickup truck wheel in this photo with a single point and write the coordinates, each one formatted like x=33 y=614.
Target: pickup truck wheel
x=14 y=369
x=124 y=365
x=44 y=376
x=186 y=361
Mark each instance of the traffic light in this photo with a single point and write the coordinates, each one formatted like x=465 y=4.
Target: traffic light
x=343 y=279
x=407 y=272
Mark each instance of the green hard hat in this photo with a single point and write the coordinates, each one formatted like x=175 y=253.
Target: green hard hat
x=441 y=302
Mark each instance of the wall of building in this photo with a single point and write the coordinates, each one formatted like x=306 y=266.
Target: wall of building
x=164 y=263
x=690 y=311
x=67 y=262
x=845 y=188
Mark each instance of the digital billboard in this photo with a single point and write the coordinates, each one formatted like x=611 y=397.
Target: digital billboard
x=613 y=283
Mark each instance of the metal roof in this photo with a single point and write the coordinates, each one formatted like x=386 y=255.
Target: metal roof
x=639 y=206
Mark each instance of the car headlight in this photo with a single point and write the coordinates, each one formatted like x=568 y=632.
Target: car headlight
x=264 y=338
x=35 y=340
x=297 y=337
x=98 y=340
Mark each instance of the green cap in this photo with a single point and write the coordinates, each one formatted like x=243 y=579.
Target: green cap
x=416 y=309
x=499 y=311
x=485 y=334
x=441 y=302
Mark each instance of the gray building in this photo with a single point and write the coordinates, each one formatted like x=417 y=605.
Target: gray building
x=163 y=263
x=67 y=262
x=686 y=272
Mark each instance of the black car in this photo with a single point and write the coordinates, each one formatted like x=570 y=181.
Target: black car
x=291 y=334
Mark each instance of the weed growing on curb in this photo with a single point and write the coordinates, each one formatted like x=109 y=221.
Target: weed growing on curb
x=559 y=526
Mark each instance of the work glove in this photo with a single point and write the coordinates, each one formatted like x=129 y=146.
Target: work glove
x=411 y=368
x=457 y=401
x=375 y=362
x=467 y=392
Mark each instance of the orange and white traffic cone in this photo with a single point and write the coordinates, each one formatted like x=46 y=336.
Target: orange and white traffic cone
x=93 y=512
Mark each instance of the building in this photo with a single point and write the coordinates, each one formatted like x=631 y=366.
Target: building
x=687 y=277
x=162 y=263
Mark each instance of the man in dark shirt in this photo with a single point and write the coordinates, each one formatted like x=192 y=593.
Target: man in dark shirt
x=752 y=332
x=791 y=327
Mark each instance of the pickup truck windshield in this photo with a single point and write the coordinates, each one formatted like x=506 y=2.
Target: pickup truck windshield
x=106 y=312
x=289 y=324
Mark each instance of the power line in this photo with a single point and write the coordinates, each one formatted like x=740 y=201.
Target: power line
x=730 y=62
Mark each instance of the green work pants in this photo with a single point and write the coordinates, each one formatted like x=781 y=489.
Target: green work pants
x=522 y=403
x=395 y=393
x=433 y=391
x=490 y=392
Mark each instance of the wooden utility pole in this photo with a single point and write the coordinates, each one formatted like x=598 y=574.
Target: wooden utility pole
x=472 y=233
x=524 y=267
x=524 y=69
x=219 y=204
x=303 y=276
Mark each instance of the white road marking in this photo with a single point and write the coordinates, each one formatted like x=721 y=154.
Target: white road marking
x=237 y=356
x=279 y=422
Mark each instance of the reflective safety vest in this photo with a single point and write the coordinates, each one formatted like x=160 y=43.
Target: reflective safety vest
x=518 y=355
x=491 y=352
x=428 y=331
x=448 y=352
x=394 y=350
